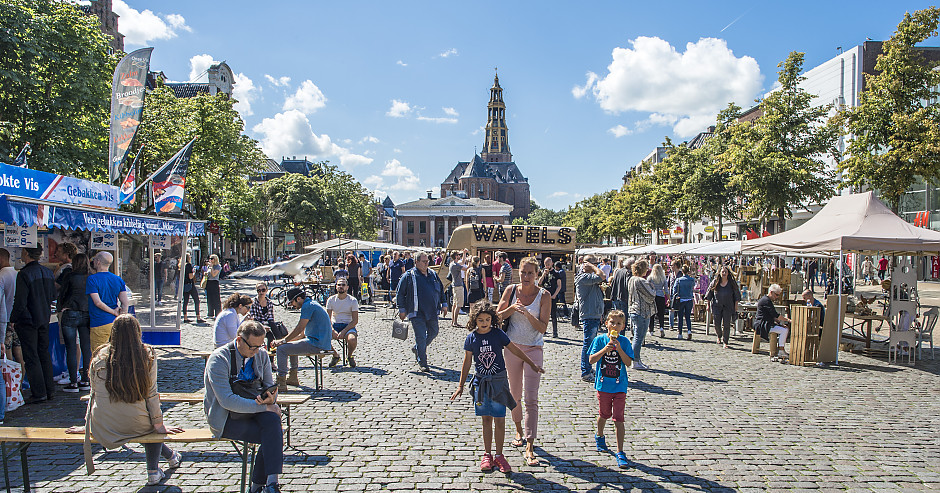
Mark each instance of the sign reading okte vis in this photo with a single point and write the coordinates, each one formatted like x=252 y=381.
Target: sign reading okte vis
x=33 y=184
x=531 y=235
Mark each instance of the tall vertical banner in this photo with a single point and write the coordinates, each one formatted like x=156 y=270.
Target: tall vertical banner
x=127 y=103
x=169 y=182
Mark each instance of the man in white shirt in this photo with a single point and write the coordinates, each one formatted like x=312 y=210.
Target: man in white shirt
x=606 y=267
x=8 y=287
x=344 y=313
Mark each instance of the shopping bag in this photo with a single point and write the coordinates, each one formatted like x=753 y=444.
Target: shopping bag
x=400 y=329
x=12 y=378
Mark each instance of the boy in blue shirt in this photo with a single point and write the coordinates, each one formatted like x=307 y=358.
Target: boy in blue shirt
x=612 y=353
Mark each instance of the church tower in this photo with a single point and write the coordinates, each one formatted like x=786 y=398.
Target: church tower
x=496 y=145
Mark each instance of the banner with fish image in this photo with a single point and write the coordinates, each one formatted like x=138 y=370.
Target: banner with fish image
x=127 y=103
x=169 y=182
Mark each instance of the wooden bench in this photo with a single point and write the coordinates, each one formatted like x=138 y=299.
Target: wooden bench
x=20 y=438
x=283 y=400
x=315 y=358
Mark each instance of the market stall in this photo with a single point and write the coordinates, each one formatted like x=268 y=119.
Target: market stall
x=854 y=223
x=133 y=239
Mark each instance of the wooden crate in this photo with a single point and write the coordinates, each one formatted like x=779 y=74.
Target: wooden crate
x=804 y=335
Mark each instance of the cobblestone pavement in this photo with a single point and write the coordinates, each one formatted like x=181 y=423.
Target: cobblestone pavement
x=704 y=419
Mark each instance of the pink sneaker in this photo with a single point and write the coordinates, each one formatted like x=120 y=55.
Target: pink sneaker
x=502 y=464
x=486 y=465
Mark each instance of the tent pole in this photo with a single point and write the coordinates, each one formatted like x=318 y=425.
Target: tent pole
x=153 y=298
x=839 y=302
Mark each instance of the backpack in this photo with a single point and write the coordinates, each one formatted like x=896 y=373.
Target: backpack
x=474 y=277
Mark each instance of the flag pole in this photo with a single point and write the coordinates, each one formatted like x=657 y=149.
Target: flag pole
x=172 y=160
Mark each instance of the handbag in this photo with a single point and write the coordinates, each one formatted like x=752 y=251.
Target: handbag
x=249 y=389
x=400 y=329
x=12 y=378
x=575 y=318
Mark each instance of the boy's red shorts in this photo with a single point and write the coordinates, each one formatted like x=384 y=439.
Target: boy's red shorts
x=611 y=404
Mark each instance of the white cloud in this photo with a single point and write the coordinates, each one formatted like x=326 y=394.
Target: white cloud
x=579 y=91
x=141 y=27
x=450 y=111
x=290 y=133
x=437 y=119
x=558 y=194
x=396 y=150
x=198 y=67
x=399 y=109
x=450 y=52
x=347 y=141
x=689 y=87
x=370 y=139
x=619 y=131
x=278 y=82
x=403 y=64
x=308 y=98
x=478 y=131
x=405 y=178
x=245 y=92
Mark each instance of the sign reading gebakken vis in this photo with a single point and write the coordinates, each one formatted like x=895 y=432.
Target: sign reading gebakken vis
x=33 y=184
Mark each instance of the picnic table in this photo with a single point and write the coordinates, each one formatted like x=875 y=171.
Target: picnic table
x=861 y=327
x=283 y=400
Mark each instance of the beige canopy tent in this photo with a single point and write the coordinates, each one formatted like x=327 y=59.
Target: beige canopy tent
x=851 y=223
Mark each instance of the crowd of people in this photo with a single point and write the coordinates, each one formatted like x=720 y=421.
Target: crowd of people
x=242 y=382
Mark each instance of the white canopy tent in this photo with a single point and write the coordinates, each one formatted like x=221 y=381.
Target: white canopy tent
x=722 y=248
x=850 y=223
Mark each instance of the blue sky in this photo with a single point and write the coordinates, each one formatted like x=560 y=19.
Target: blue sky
x=396 y=92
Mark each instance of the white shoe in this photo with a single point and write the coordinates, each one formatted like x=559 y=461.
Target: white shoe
x=783 y=354
x=175 y=461
x=63 y=380
x=639 y=366
x=154 y=477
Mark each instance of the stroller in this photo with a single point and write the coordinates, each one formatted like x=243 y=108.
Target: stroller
x=847 y=286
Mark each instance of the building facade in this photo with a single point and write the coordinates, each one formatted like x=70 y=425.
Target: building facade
x=108 y=21
x=492 y=175
x=430 y=221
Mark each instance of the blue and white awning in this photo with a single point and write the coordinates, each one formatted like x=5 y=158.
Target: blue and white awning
x=27 y=212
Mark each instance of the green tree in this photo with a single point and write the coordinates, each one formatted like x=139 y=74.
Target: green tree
x=354 y=212
x=590 y=217
x=222 y=154
x=55 y=86
x=777 y=163
x=708 y=190
x=300 y=205
x=895 y=130
x=542 y=217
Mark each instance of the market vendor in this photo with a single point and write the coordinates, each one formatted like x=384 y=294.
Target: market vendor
x=812 y=301
x=768 y=320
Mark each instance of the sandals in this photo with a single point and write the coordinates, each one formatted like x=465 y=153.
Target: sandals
x=533 y=461
x=518 y=442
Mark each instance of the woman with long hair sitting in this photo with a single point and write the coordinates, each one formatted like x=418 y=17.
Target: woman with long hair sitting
x=124 y=401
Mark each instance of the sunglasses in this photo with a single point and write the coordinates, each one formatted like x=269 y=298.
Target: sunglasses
x=262 y=290
x=253 y=348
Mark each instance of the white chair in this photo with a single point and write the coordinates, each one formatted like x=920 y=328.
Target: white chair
x=925 y=333
x=901 y=331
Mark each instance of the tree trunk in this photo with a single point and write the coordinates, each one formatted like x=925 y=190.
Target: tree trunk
x=783 y=221
x=720 y=226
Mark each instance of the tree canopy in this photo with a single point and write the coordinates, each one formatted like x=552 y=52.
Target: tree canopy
x=895 y=130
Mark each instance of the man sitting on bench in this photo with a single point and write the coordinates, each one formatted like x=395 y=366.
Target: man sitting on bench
x=238 y=418
x=344 y=310
x=316 y=328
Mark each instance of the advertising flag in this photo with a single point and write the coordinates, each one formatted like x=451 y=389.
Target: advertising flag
x=21 y=157
x=127 y=103
x=127 y=195
x=169 y=182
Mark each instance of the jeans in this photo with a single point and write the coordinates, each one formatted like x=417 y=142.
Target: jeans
x=265 y=429
x=153 y=451
x=74 y=324
x=158 y=289
x=685 y=311
x=425 y=331
x=589 y=326
x=723 y=316
x=640 y=327
x=660 y=312
x=292 y=350
x=190 y=292
x=524 y=387
x=34 y=342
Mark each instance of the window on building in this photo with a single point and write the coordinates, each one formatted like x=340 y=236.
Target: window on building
x=411 y=242
x=422 y=227
x=411 y=227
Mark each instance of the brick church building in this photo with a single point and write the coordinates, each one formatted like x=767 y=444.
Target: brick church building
x=489 y=189
x=492 y=174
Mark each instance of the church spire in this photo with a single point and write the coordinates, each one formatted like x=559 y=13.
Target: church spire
x=496 y=143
